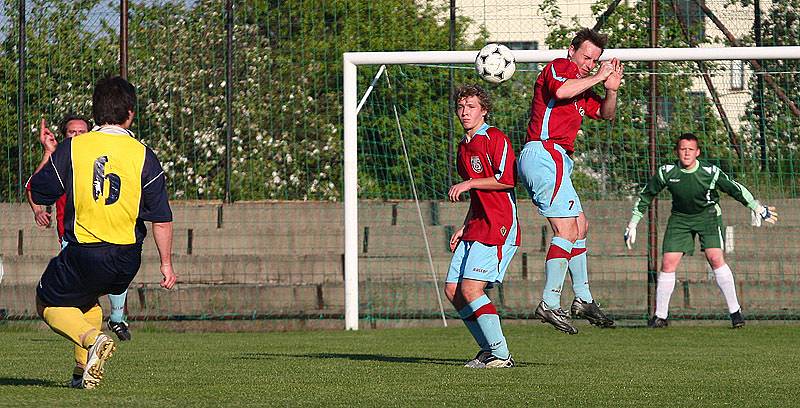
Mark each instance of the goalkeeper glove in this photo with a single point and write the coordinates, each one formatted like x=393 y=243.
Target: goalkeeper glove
x=765 y=213
x=630 y=234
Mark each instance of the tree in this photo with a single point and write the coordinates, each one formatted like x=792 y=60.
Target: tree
x=63 y=60
x=287 y=90
x=780 y=27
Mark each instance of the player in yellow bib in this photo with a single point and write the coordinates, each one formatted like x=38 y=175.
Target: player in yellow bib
x=113 y=184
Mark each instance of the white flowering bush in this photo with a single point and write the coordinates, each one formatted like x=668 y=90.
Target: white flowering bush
x=283 y=145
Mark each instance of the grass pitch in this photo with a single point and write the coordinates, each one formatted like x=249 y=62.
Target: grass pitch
x=681 y=366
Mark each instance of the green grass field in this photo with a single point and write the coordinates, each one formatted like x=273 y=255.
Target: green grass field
x=683 y=366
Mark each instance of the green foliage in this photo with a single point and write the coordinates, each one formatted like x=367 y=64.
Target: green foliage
x=612 y=158
x=780 y=27
x=287 y=101
x=286 y=84
x=65 y=56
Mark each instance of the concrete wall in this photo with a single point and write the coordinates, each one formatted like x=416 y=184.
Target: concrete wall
x=285 y=258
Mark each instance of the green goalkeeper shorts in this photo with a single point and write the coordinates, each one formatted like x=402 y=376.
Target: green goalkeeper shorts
x=681 y=230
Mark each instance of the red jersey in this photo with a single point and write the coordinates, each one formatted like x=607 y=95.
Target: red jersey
x=493 y=219
x=554 y=120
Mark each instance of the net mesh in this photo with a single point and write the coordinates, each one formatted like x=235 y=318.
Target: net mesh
x=276 y=252
x=611 y=166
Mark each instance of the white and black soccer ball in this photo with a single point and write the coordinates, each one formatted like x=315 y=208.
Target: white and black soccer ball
x=495 y=63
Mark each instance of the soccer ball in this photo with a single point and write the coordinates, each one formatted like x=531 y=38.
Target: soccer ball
x=495 y=63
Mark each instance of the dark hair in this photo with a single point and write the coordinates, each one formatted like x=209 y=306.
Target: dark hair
x=62 y=127
x=687 y=136
x=112 y=99
x=594 y=37
x=465 y=91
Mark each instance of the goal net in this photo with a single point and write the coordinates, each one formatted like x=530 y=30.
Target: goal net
x=399 y=165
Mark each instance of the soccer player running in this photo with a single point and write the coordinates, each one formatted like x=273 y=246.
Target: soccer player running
x=71 y=126
x=113 y=184
x=484 y=245
x=694 y=186
x=562 y=97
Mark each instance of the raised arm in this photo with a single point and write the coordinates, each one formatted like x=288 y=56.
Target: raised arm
x=608 y=108
x=49 y=143
x=574 y=87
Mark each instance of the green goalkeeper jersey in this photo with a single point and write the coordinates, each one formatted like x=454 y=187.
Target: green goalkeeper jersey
x=693 y=191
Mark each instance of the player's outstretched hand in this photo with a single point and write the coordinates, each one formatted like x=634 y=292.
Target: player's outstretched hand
x=766 y=213
x=457 y=189
x=630 y=235
x=169 y=277
x=455 y=239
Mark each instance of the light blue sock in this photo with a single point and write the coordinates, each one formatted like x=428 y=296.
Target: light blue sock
x=117 y=306
x=555 y=269
x=474 y=329
x=579 y=271
x=488 y=320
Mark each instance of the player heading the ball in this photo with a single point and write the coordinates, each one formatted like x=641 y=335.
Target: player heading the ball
x=562 y=96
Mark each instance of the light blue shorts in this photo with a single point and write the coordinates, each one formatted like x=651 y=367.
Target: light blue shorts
x=545 y=169
x=476 y=261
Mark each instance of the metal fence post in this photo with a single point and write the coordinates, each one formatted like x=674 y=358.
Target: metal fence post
x=21 y=102
x=228 y=96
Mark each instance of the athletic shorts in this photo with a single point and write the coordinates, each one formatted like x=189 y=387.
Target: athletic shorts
x=545 y=169
x=81 y=273
x=476 y=261
x=682 y=229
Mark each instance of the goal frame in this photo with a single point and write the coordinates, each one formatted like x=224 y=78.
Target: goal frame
x=351 y=61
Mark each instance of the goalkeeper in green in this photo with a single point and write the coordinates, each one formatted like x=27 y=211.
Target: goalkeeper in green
x=694 y=186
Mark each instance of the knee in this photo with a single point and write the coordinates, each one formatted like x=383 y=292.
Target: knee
x=669 y=265
x=716 y=262
x=455 y=294
x=471 y=293
x=450 y=292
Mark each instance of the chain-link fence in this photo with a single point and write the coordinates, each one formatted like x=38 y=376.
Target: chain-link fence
x=282 y=257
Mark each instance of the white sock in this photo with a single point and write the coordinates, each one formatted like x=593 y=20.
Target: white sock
x=666 y=284
x=727 y=287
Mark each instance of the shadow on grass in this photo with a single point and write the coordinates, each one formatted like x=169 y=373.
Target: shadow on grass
x=29 y=382
x=370 y=357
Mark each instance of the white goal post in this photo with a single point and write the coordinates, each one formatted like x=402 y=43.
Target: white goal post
x=352 y=60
